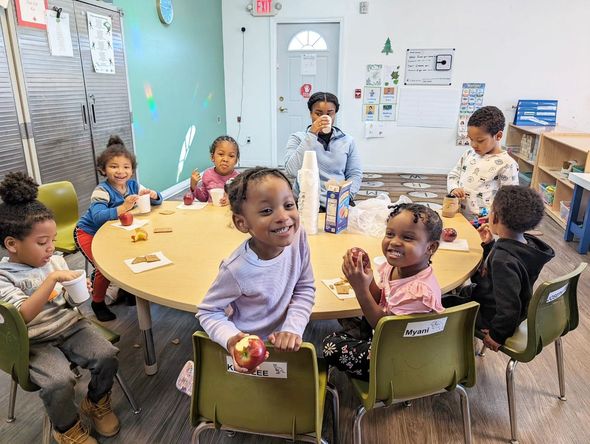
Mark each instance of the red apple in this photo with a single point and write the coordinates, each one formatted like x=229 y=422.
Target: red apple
x=449 y=234
x=250 y=352
x=188 y=198
x=355 y=254
x=126 y=219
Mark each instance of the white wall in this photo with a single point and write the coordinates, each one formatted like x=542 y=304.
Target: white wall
x=535 y=49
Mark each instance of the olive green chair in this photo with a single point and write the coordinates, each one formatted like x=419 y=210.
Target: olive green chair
x=414 y=356
x=61 y=198
x=14 y=359
x=552 y=313
x=290 y=407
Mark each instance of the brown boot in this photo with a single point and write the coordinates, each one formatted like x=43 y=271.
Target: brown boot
x=104 y=420
x=78 y=434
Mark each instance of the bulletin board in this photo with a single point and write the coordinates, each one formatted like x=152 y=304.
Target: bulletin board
x=429 y=66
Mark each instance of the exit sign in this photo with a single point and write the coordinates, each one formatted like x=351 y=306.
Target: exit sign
x=264 y=8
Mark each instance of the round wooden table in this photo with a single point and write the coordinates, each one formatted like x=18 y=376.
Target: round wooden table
x=200 y=239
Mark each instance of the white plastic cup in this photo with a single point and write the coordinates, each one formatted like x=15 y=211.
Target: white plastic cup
x=217 y=195
x=327 y=129
x=310 y=161
x=143 y=203
x=76 y=289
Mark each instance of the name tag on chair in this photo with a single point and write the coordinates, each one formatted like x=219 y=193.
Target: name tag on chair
x=556 y=294
x=267 y=369
x=424 y=328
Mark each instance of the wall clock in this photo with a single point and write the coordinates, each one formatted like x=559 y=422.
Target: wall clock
x=165 y=11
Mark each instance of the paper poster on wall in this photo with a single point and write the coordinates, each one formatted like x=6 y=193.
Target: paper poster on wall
x=390 y=75
x=308 y=64
x=372 y=95
x=305 y=90
x=429 y=108
x=100 y=37
x=373 y=129
x=387 y=111
x=58 y=34
x=471 y=100
x=31 y=13
x=389 y=94
x=370 y=113
x=387 y=47
x=429 y=66
x=374 y=75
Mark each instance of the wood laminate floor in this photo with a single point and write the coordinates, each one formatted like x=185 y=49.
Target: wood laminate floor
x=542 y=417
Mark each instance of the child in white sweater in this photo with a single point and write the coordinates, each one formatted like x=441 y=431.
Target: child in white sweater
x=484 y=167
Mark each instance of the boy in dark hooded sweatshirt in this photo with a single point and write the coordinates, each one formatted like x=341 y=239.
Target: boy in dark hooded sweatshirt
x=503 y=285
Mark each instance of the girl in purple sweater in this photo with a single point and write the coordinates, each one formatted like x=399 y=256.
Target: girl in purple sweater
x=266 y=285
x=225 y=154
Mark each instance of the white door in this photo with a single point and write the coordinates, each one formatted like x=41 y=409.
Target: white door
x=307 y=60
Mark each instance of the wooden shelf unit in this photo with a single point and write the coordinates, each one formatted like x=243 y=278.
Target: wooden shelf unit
x=514 y=137
x=554 y=149
x=554 y=145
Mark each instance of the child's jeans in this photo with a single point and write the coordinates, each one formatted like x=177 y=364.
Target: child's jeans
x=100 y=283
x=349 y=350
x=49 y=363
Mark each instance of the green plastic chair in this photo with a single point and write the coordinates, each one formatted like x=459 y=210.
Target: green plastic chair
x=290 y=408
x=14 y=359
x=61 y=198
x=410 y=361
x=552 y=313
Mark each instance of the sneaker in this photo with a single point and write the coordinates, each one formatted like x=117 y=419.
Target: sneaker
x=78 y=434
x=101 y=414
x=102 y=312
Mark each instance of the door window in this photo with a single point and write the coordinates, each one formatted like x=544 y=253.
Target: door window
x=307 y=41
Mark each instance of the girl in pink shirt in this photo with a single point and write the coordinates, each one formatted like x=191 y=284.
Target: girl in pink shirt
x=225 y=154
x=407 y=285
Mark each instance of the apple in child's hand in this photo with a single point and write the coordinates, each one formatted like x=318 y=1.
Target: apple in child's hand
x=355 y=254
x=250 y=352
x=188 y=198
x=449 y=234
x=126 y=219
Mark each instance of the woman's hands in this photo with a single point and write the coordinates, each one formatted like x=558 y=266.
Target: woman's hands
x=320 y=123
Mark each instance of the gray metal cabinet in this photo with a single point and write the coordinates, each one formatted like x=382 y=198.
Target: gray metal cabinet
x=72 y=109
x=12 y=155
x=107 y=95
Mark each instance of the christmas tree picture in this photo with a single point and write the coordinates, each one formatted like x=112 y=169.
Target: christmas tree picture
x=387 y=47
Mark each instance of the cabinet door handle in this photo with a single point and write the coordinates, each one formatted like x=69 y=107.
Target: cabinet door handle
x=84 y=118
x=93 y=113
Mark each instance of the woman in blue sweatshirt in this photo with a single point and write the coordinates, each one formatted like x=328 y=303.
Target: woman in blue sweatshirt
x=338 y=157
